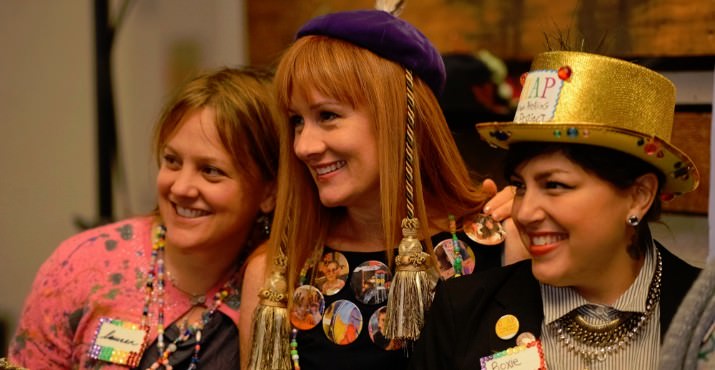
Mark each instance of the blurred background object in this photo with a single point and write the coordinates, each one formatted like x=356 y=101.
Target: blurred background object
x=477 y=91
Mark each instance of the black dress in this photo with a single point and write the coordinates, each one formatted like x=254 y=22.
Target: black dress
x=219 y=347
x=316 y=351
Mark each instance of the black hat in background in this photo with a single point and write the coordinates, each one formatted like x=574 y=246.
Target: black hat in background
x=470 y=96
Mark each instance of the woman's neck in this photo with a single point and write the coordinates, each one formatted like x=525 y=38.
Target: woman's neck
x=362 y=231
x=196 y=271
x=612 y=283
x=356 y=230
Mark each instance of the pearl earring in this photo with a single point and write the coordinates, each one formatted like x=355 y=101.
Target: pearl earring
x=633 y=220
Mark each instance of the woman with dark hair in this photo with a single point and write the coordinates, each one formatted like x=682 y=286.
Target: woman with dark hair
x=590 y=158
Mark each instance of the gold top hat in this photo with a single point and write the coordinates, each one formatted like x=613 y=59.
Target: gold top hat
x=581 y=98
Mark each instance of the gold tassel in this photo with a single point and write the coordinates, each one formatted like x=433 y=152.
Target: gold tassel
x=6 y=365
x=271 y=326
x=412 y=287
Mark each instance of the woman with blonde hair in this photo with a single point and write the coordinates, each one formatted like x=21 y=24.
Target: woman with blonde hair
x=365 y=145
x=162 y=290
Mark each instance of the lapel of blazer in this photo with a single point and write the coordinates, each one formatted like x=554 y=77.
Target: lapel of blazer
x=518 y=293
x=677 y=278
x=520 y=296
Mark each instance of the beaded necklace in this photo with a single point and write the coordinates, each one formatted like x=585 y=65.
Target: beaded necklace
x=194 y=298
x=455 y=245
x=303 y=279
x=597 y=342
x=294 y=349
x=157 y=275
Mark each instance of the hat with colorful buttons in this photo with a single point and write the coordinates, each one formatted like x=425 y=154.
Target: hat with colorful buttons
x=582 y=98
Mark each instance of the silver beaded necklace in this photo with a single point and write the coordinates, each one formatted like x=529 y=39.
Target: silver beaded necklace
x=597 y=342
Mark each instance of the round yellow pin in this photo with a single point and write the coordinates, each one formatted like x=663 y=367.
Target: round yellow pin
x=507 y=326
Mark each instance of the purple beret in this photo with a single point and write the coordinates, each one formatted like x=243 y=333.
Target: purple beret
x=387 y=36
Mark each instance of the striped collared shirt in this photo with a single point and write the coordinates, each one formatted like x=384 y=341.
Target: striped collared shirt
x=641 y=353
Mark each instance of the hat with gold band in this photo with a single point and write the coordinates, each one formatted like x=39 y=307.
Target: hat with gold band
x=581 y=98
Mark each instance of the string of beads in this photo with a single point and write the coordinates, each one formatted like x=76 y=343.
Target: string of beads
x=457 y=264
x=303 y=279
x=157 y=275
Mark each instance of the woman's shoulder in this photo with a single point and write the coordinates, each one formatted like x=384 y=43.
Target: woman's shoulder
x=125 y=230
x=88 y=245
x=254 y=269
x=493 y=282
x=494 y=276
x=672 y=259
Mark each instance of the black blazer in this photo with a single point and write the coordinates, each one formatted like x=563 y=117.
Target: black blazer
x=459 y=328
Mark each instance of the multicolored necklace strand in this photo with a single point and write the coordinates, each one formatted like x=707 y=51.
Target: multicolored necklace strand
x=458 y=271
x=303 y=279
x=294 y=349
x=157 y=275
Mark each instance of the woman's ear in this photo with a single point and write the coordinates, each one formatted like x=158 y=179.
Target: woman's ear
x=269 y=198
x=644 y=191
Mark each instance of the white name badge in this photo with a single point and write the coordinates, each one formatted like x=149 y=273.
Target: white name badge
x=539 y=97
x=118 y=342
x=523 y=357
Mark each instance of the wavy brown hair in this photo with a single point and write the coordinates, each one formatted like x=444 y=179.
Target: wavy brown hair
x=245 y=118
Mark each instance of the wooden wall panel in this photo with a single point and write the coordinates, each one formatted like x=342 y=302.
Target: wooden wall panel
x=514 y=30
x=691 y=133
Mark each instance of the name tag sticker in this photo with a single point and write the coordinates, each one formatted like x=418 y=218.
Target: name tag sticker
x=539 y=97
x=523 y=357
x=119 y=342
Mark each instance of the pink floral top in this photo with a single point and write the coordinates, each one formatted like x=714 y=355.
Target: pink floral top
x=99 y=273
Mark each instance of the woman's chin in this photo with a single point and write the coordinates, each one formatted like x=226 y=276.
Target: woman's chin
x=546 y=274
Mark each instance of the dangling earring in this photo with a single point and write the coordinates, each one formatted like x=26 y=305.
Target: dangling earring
x=267 y=225
x=633 y=220
x=266 y=221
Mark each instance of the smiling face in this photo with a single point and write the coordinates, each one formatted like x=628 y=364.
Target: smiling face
x=338 y=145
x=331 y=271
x=572 y=222
x=204 y=201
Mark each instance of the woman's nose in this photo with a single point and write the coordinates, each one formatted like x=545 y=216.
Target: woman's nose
x=527 y=208
x=185 y=184
x=309 y=142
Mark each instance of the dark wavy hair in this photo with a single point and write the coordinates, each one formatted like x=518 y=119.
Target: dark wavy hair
x=615 y=167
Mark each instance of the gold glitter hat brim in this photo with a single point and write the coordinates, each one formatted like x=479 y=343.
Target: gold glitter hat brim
x=581 y=98
x=679 y=169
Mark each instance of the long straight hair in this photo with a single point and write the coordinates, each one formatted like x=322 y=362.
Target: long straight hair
x=356 y=76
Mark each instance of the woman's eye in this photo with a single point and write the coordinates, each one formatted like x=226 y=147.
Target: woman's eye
x=519 y=186
x=170 y=160
x=555 y=185
x=295 y=120
x=327 y=116
x=212 y=171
